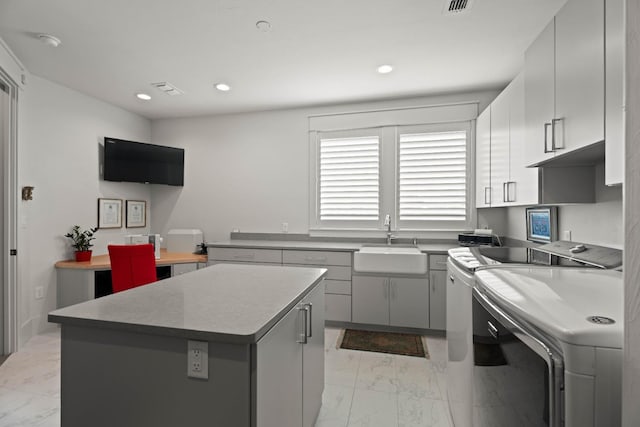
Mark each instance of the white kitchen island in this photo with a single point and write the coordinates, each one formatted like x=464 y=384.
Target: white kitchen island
x=125 y=356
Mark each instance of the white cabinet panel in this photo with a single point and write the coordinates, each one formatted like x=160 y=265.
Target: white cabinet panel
x=483 y=159
x=500 y=138
x=614 y=108
x=409 y=302
x=579 y=67
x=370 y=300
x=313 y=358
x=539 y=60
x=279 y=367
x=341 y=287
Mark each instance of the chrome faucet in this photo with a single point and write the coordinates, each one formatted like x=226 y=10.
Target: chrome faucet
x=387 y=223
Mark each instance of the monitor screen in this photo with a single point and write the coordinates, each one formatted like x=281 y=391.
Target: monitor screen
x=138 y=162
x=542 y=224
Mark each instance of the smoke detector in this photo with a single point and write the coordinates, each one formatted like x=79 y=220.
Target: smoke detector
x=167 y=88
x=455 y=7
x=49 y=40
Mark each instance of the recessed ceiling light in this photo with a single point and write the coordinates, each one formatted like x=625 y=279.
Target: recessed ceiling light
x=385 y=69
x=49 y=40
x=223 y=87
x=264 y=26
x=143 y=96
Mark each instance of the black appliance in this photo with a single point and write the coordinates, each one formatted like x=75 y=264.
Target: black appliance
x=139 y=162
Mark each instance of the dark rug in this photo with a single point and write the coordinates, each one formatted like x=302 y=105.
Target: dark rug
x=488 y=355
x=384 y=342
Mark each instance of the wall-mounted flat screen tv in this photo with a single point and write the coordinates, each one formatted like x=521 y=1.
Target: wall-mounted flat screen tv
x=138 y=162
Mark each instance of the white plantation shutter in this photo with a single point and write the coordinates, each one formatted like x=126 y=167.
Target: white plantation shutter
x=433 y=176
x=349 y=178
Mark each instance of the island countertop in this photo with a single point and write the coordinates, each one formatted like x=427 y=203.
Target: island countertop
x=225 y=302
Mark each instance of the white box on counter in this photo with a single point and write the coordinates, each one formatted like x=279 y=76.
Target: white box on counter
x=184 y=240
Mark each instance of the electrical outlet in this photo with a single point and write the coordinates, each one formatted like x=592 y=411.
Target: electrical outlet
x=566 y=235
x=285 y=227
x=198 y=359
x=39 y=292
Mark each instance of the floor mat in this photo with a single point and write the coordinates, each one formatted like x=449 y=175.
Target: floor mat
x=488 y=355
x=384 y=342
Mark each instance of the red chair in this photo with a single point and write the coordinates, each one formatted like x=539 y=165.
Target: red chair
x=131 y=266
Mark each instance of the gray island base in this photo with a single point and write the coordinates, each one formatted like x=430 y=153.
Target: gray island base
x=127 y=359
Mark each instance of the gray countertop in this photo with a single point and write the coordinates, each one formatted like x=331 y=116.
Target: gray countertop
x=435 y=248
x=228 y=303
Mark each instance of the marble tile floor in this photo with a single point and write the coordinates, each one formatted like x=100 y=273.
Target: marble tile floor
x=361 y=388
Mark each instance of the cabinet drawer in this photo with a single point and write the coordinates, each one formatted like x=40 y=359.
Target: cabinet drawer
x=316 y=257
x=438 y=262
x=337 y=307
x=333 y=272
x=342 y=287
x=273 y=256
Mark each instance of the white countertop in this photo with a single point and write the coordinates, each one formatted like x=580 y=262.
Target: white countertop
x=230 y=303
x=440 y=248
x=558 y=300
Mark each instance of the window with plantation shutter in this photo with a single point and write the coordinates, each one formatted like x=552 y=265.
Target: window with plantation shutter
x=349 y=178
x=432 y=173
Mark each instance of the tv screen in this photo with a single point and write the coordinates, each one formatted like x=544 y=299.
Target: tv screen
x=138 y=162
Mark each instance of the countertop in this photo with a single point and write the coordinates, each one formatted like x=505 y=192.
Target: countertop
x=102 y=262
x=225 y=303
x=434 y=248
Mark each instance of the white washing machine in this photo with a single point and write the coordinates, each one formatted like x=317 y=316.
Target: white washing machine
x=564 y=347
x=467 y=321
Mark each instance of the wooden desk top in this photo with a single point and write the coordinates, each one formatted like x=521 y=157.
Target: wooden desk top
x=101 y=262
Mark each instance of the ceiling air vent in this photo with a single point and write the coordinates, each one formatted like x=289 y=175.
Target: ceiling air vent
x=452 y=7
x=167 y=88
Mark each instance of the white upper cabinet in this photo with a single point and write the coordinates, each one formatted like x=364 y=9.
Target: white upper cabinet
x=580 y=73
x=483 y=159
x=564 y=82
x=539 y=94
x=505 y=180
x=614 y=108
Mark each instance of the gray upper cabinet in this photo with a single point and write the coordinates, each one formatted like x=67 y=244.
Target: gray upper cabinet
x=564 y=82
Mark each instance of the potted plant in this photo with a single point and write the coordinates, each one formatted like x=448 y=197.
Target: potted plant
x=82 y=242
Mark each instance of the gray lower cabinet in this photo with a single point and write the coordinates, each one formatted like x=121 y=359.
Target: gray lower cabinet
x=393 y=301
x=290 y=366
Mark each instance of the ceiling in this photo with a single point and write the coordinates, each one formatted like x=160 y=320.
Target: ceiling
x=316 y=52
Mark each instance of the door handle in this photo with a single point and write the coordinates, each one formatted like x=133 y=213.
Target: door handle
x=492 y=330
x=310 y=322
x=554 y=135
x=546 y=139
x=302 y=337
x=451 y=279
x=506 y=188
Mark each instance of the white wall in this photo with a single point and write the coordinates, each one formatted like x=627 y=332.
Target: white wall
x=250 y=171
x=60 y=132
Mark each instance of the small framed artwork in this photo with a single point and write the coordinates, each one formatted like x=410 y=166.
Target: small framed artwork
x=542 y=224
x=136 y=213
x=109 y=213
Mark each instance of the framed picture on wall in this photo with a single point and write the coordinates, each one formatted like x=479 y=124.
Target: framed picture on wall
x=136 y=213
x=109 y=213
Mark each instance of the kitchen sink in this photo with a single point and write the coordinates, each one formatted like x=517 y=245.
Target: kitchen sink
x=390 y=259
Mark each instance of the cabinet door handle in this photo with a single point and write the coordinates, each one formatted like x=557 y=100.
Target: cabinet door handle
x=511 y=196
x=433 y=283
x=316 y=260
x=546 y=138
x=302 y=337
x=385 y=288
x=249 y=256
x=310 y=322
x=555 y=136
x=504 y=192
x=493 y=331
x=487 y=202
x=392 y=289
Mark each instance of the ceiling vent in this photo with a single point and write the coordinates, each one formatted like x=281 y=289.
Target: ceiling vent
x=167 y=88
x=454 y=7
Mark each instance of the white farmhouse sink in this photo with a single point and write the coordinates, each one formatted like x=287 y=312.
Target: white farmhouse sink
x=390 y=259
